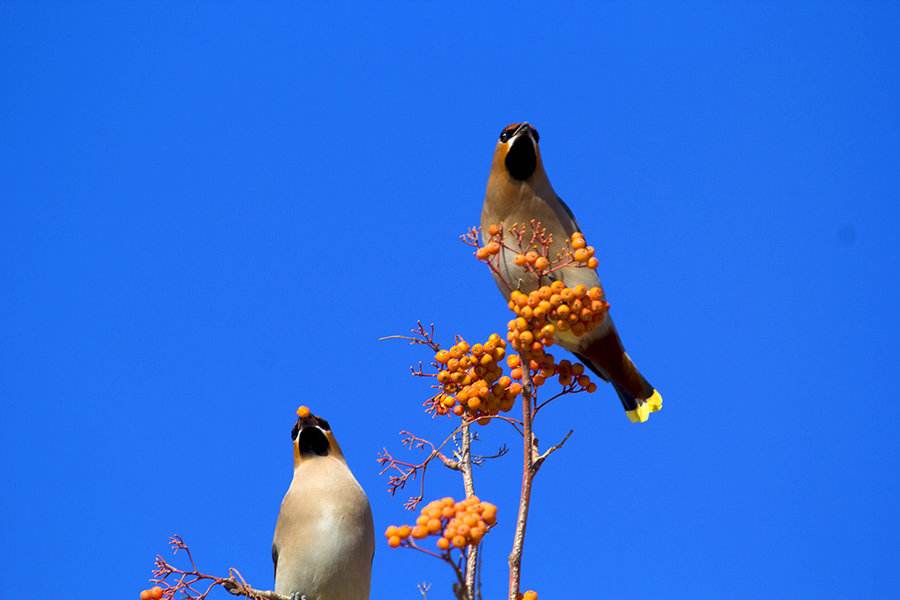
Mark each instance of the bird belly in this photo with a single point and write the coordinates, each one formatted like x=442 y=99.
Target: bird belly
x=325 y=548
x=330 y=565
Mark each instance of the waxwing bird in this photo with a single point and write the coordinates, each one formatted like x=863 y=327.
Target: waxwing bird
x=324 y=538
x=519 y=191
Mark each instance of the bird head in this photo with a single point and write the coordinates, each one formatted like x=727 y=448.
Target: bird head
x=517 y=151
x=312 y=437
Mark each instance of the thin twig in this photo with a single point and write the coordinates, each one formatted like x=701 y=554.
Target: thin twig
x=540 y=459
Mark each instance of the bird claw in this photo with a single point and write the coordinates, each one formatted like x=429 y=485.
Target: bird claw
x=298 y=596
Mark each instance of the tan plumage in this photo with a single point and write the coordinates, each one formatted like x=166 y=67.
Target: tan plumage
x=518 y=191
x=324 y=538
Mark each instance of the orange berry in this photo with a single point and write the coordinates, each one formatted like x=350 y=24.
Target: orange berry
x=390 y=531
x=521 y=260
x=531 y=256
x=489 y=514
x=577 y=369
x=578 y=242
x=584 y=381
x=476 y=533
x=394 y=541
x=145 y=595
x=541 y=263
x=303 y=412
x=515 y=389
x=404 y=531
x=516 y=373
x=580 y=255
x=530 y=595
x=156 y=592
x=592 y=387
x=513 y=360
x=419 y=532
x=593 y=262
x=492 y=248
x=443 y=543
x=494 y=229
x=434 y=525
x=459 y=541
x=442 y=356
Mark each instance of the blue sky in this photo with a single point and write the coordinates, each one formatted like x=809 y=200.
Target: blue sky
x=211 y=212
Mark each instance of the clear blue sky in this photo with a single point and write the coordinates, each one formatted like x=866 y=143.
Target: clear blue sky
x=211 y=211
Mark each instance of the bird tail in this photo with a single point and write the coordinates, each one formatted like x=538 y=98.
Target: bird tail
x=606 y=357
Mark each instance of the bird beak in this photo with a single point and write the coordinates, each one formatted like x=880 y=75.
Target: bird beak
x=523 y=129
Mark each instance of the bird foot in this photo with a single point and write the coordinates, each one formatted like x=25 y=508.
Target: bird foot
x=298 y=596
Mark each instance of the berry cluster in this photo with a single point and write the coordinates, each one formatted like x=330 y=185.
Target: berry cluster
x=154 y=593
x=533 y=252
x=552 y=308
x=458 y=524
x=543 y=366
x=472 y=380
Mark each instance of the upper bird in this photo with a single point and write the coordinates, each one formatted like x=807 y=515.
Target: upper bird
x=324 y=538
x=519 y=191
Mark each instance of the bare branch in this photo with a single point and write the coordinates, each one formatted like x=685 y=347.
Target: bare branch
x=540 y=459
x=420 y=335
x=191 y=584
x=405 y=471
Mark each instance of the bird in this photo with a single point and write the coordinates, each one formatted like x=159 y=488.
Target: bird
x=519 y=191
x=324 y=540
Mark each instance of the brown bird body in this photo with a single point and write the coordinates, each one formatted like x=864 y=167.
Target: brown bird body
x=519 y=191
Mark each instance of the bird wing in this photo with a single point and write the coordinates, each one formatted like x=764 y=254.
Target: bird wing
x=566 y=213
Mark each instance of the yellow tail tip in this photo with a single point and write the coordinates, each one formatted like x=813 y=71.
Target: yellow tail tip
x=641 y=414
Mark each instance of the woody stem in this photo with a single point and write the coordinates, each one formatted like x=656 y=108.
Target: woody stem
x=466 y=466
x=515 y=555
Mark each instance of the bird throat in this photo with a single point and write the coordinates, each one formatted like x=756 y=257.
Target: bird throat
x=312 y=442
x=521 y=159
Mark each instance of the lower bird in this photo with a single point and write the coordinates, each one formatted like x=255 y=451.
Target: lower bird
x=519 y=191
x=324 y=538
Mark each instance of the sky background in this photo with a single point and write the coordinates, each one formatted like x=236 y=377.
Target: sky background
x=211 y=211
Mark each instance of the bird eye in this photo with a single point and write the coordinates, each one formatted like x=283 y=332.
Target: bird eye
x=504 y=135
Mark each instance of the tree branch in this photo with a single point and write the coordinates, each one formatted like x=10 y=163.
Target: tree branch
x=540 y=459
